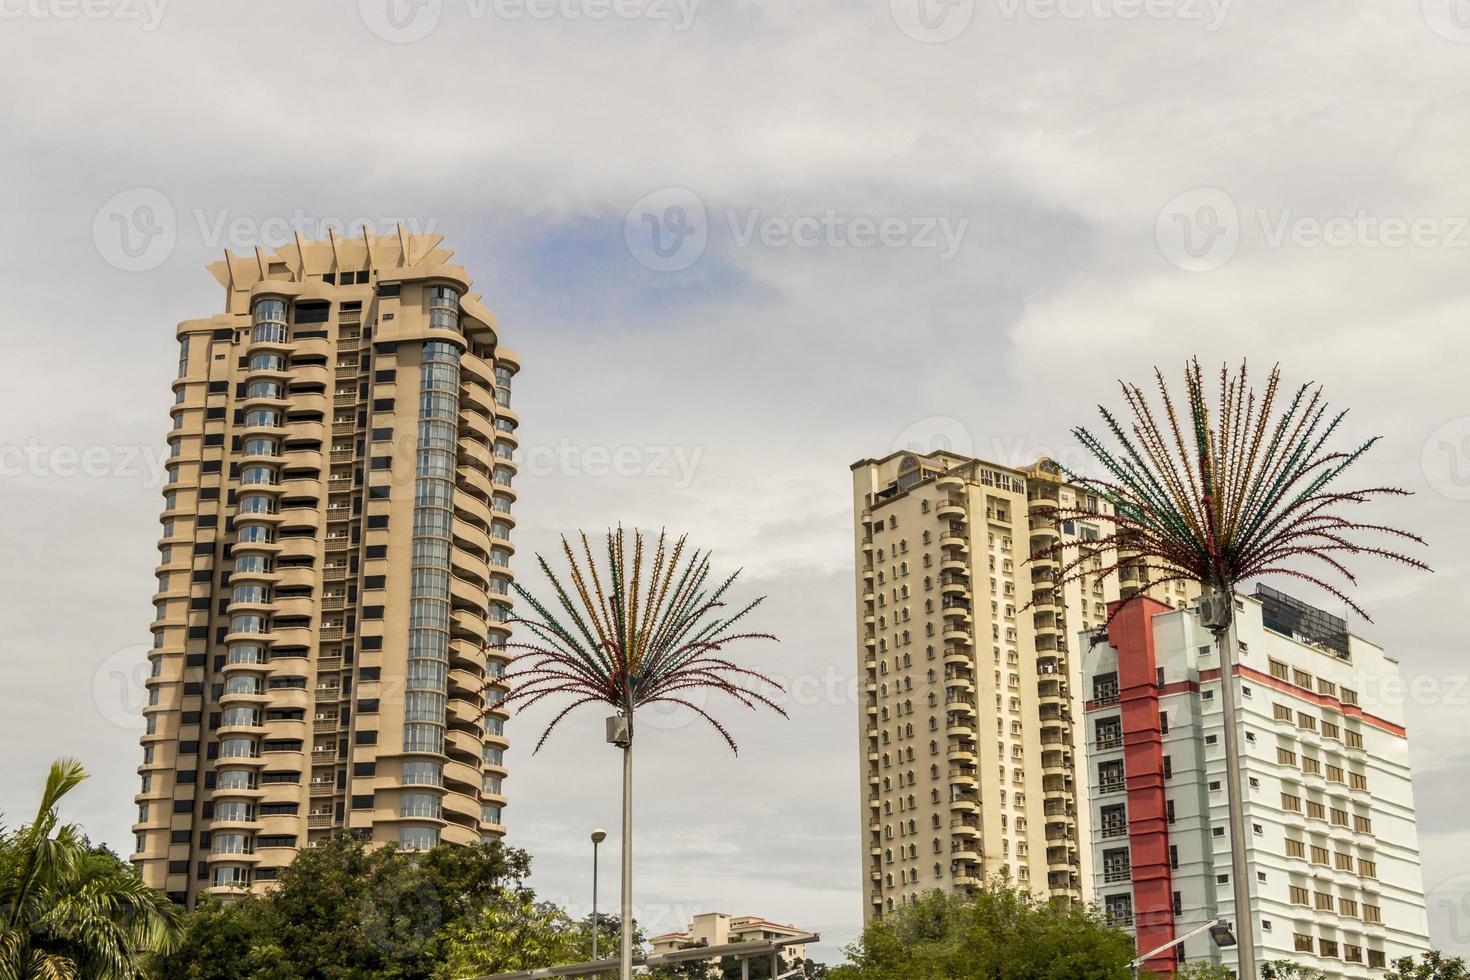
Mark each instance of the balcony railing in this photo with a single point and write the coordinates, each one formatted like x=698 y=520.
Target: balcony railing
x=1113 y=786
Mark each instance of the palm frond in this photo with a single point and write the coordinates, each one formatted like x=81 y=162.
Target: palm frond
x=640 y=629
x=1224 y=493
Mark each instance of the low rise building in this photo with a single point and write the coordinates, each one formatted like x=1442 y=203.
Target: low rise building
x=1332 y=843
x=720 y=928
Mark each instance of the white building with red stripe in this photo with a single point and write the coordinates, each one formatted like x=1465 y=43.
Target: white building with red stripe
x=1333 y=847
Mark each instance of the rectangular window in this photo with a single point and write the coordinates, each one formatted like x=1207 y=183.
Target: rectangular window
x=1290 y=802
x=1303 y=942
x=1315 y=810
x=1286 y=757
x=1295 y=848
x=1281 y=712
x=1298 y=895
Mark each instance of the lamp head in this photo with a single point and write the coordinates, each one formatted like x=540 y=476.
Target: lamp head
x=598 y=836
x=1221 y=934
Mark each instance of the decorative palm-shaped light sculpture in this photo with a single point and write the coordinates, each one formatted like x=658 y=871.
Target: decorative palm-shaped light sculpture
x=637 y=633
x=1236 y=492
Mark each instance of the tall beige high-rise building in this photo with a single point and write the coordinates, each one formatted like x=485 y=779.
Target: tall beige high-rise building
x=333 y=579
x=970 y=726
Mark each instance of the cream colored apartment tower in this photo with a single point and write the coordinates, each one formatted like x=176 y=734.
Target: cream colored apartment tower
x=970 y=733
x=333 y=577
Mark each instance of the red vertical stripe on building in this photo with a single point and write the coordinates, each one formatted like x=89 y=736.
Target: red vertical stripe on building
x=1131 y=633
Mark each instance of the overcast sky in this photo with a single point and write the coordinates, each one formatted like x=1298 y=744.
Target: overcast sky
x=876 y=225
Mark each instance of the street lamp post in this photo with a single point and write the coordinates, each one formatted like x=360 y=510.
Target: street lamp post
x=1219 y=931
x=598 y=836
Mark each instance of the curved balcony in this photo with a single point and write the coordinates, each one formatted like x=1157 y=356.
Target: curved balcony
x=963 y=827
x=463 y=746
x=949 y=483
x=473 y=480
x=957 y=633
x=959 y=684
x=956 y=542
x=465 y=595
x=474 y=510
x=1043 y=538
x=255 y=794
x=952 y=507
x=961 y=706
x=302 y=486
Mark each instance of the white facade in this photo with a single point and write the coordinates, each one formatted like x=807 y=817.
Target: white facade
x=1333 y=847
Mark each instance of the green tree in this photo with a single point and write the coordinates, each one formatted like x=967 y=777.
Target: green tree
x=1204 y=971
x=1287 y=970
x=1001 y=931
x=1433 y=965
x=224 y=941
x=515 y=932
x=69 y=910
x=347 y=911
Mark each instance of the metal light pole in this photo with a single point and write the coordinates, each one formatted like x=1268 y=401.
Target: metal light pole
x=620 y=733
x=1219 y=932
x=598 y=836
x=1218 y=615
